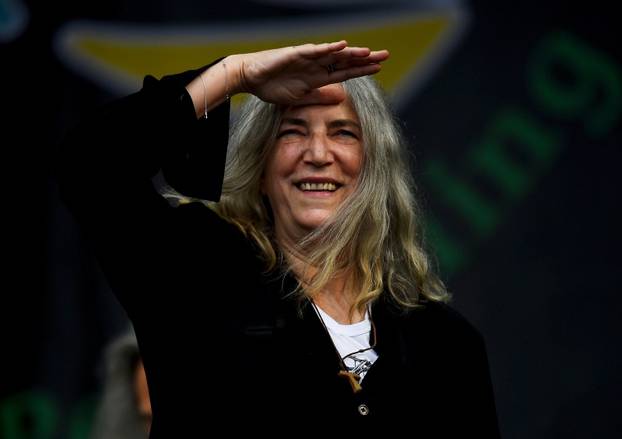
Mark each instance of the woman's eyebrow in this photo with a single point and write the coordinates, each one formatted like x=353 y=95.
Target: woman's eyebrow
x=337 y=123
x=294 y=121
x=343 y=123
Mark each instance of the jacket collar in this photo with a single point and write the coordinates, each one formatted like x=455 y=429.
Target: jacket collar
x=386 y=316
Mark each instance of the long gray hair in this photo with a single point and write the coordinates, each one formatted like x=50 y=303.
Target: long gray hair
x=375 y=234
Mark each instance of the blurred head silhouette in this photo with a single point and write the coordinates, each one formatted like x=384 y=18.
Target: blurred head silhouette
x=124 y=411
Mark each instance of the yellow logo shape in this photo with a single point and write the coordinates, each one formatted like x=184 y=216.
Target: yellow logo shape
x=118 y=57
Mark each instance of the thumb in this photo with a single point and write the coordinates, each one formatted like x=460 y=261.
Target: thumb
x=328 y=94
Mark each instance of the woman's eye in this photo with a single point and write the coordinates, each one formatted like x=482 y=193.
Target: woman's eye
x=347 y=133
x=286 y=132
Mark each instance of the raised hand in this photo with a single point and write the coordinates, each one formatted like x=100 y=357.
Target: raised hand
x=295 y=75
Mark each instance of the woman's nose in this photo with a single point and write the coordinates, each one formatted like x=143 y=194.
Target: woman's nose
x=318 y=151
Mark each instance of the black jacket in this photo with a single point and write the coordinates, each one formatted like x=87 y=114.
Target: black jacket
x=221 y=344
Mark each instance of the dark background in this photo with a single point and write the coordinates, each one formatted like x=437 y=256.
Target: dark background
x=530 y=252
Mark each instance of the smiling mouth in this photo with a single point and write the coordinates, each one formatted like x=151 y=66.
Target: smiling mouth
x=318 y=187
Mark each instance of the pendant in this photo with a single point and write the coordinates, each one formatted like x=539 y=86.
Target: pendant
x=353 y=379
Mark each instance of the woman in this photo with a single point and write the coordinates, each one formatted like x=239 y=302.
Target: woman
x=305 y=290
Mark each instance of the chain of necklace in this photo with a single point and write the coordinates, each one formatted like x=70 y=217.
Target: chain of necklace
x=353 y=378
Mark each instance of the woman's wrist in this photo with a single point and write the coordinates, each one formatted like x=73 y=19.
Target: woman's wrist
x=235 y=74
x=215 y=85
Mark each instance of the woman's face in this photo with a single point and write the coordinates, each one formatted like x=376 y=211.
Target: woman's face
x=313 y=167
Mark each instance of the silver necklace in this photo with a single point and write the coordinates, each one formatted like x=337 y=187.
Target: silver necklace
x=353 y=378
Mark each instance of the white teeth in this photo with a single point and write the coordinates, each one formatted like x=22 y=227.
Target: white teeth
x=318 y=186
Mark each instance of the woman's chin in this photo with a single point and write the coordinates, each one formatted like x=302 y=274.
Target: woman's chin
x=310 y=223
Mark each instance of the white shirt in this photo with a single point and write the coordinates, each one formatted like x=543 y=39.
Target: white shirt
x=351 y=338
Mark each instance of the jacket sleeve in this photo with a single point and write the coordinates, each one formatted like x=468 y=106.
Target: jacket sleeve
x=105 y=169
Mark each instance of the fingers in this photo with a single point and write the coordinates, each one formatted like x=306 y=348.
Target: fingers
x=314 y=51
x=344 y=54
x=354 y=72
x=305 y=70
x=357 y=62
x=345 y=59
x=358 y=56
x=379 y=55
x=339 y=56
x=351 y=62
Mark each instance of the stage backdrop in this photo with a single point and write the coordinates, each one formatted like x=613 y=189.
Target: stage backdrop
x=513 y=111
